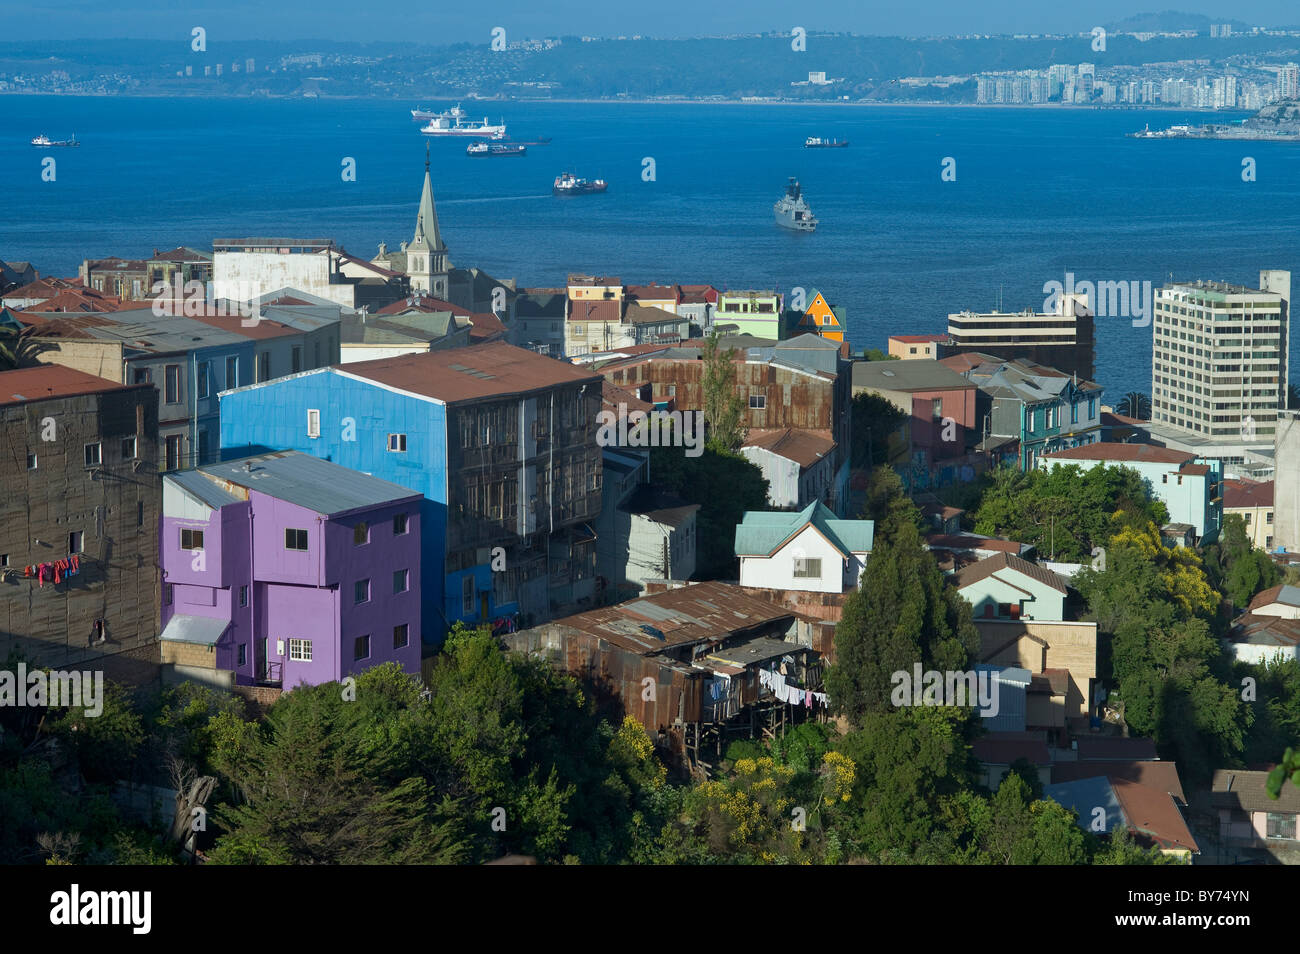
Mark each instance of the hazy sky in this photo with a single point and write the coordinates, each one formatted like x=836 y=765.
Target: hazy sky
x=448 y=21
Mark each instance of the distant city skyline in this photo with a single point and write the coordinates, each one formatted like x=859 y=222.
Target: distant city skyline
x=333 y=19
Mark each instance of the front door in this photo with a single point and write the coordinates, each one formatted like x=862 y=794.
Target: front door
x=260 y=663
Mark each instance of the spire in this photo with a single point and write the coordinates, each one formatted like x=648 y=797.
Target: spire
x=427 y=236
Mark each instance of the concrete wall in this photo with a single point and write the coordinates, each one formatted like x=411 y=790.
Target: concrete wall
x=1286 y=482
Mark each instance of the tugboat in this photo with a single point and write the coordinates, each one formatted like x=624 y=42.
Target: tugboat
x=567 y=184
x=817 y=142
x=792 y=212
x=485 y=148
x=44 y=140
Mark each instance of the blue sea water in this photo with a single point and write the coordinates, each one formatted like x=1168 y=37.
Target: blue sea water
x=1038 y=192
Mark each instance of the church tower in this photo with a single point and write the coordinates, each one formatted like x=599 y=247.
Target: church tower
x=426 y=255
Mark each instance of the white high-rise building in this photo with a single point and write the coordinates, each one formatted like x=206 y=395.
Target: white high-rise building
x=1288 y=82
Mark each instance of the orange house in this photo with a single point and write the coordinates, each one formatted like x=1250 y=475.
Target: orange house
x=822 y=319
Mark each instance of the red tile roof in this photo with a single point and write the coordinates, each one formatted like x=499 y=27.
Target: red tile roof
x=990 y=566
x=482 y=371
x=423 y=303
x=918 y=339
x=1247 y=493
x=50 y=381
x=1282 y=593
x=1153 y=813
x=485 y=328
x=604 y=310
x=804 y=447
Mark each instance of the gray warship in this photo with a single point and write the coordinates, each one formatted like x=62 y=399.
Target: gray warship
x=792 y=211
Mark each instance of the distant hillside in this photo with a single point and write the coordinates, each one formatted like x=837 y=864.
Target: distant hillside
x=1172 y=21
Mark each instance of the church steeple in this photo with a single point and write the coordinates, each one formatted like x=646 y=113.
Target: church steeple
x=426 y=256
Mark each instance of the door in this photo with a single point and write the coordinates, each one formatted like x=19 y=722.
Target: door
x=260 y=664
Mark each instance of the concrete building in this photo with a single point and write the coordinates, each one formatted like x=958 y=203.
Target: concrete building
x=756 y=313
x=287 y=570
x=594 y=318
x=940 y=405
x=539 y=319
x=910 y=347
x=79 y=522
x=246 y=268
x=500 y=441
x=1219 y=366
x=1191 y=488
x=798 y=465
x=1286 y=481
x=1061 y=339
x=811 y=550
x=1005 y=587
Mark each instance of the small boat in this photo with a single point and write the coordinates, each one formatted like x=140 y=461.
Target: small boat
x=485 y=148
x=817 y=142
x=44 y=140
x=567 y=184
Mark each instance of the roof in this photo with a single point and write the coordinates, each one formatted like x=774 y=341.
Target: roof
x=647 y=315
x=804 y=447
x=973 y=541
x=490 y=370
x=1146 y=810
x=990 y=566
x=680 y=616
x=211 y=494
x=201 y=630
x=47 y=381
x=1253 y=629
x=763 y=532
x=1131 y=453
x=1245 y=791
x=658 y=505
x=918 y=339
x=1162 y=776
x=922 y=374
x=602 y=310
x=612 y=395
x=1247 y=493
x=318 y=485
x=1283 y=593
x=425 y=303
x=1110 y=748
x=485 y=327
x=143 y=330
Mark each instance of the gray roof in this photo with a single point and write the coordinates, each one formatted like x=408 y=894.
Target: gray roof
x=202 y=630
x=318 y=485
x=410 y=329
x=213 y=495
x=920 y=374
x=144 y=331
x=1086 y=794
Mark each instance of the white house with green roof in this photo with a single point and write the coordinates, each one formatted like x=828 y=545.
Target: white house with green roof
x=810 y=550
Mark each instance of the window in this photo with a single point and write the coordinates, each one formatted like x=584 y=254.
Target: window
x=300 y=650
x=757 y=402
x=1074 y=412
x=203 y=446
x=243 y=654
x=264 y=366
x=142 y=376
x=361 y=534
x=936 y=408
x=205 y=368
x=361 y=591
x=1280 y=826
x=191 y=539
x=361 y=647
x=1246 y=516
x=397 y=442
x=173 y=445
x=401 y=636
x=313 y=422
x=232 y=373
x=805 y=569
x=172 y=384
x=243 y=596
x=128 y=448
x=4 y=559
x=31 y=461
x=467 y=594
x=399 y=524
x=93 y=455
x=295 y=539
x=167 y=594
x=75 y=540
x=401 y=581
x=295 y=360
x=315 y=354
x=139 y=513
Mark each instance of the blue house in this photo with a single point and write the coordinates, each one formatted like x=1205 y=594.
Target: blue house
x=501 y=442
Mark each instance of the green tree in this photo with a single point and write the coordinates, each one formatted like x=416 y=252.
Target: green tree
x=877 y=431
x=724 y=408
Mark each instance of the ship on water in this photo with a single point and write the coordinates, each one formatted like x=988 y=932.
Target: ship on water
x=449 y=125
x=420 y=114
x=485 y=148
x=817 y=142
x=792 y=211
x=44 y=140
x=567 y=184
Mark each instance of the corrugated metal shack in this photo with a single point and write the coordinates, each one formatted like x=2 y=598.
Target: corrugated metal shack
x=685 y=662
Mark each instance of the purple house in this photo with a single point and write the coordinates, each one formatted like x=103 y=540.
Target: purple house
x=284 y=569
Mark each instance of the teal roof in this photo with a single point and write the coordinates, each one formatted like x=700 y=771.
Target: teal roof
x=762 y=532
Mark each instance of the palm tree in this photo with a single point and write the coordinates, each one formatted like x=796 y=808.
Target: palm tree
x=1135 y=404
x=19 y=349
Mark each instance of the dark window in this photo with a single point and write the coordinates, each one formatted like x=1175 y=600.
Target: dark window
x=361 y=648
x=243 y=654
x=232 y=373
x=401 y=636
x=401 y=581
x=202 y=383
x=243 y=597
x=757 y=402
x=172 y=384
x=173 y=452
x=399 y=524
x=295 y=539
x=361 y=591
x=296 y=360
x=191 y=539
x=128 y=448
x=31 y=461
x=93 y=455
x=361 y=534
x=142 y=376
x=75 y=539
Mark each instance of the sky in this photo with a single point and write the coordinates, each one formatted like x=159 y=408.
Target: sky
x=441 y=21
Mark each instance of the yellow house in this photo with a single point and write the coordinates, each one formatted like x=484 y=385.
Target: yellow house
x=820 y=318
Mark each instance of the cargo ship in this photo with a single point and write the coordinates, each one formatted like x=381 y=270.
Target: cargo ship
x=817 y=142
x=44 y=140
x=792 y=211
x=485 y=148
x=420 y=114
x=449 y=125
x=567 y=184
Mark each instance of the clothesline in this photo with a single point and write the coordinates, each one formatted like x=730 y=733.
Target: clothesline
x=790 y=693
x=55 y=572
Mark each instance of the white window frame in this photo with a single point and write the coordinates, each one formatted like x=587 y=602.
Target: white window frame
x=99 y=454
x=299 y=650
x=397 y=443
x=313 y=422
